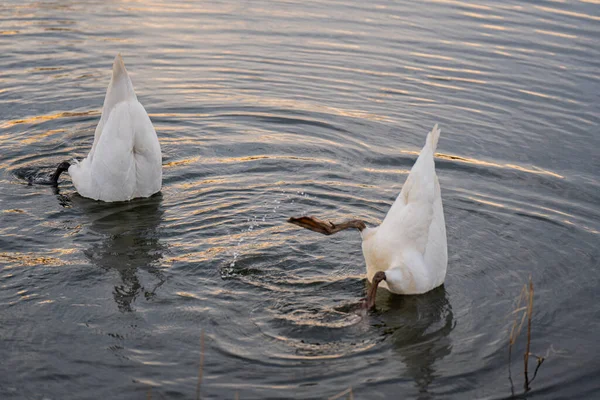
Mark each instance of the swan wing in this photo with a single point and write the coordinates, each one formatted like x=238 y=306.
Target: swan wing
x=409 y=220
x=112 y=169
x=436 y=250
x=146 y=153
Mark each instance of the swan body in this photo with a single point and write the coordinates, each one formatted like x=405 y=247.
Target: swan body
x=407 y=253
x=410 y=246
x=125 y=161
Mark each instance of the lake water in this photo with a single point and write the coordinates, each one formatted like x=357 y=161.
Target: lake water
x=270 y=109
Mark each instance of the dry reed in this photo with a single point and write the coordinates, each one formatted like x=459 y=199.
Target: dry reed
x=527 y=312
x=345 y=392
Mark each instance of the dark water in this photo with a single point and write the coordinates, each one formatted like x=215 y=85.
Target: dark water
x=266 y=110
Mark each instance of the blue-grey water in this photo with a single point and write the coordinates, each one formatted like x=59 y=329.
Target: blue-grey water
x=269 y=109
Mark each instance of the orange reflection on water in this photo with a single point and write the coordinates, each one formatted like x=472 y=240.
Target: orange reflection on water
x=496 y=27
x=28 y=260
x=451 y=69
x=558 y=34
x=481 y=16
x=460 y=4
x=182 y=162
x=387 y=171
x=35 y=138
x=14 y=210
x=567 y=13
x=37 y=119
x=546 y=96
x=531 y=170
x=455 y=78
x=536 y=213
x=435 y=56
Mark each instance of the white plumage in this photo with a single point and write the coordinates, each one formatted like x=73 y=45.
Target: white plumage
x=407 y=253
x=410 y=244
x=125 y=161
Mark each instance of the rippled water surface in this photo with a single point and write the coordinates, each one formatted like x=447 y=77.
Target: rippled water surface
x=268 y=109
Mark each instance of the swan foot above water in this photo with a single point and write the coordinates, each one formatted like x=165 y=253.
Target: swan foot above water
x=326 y=227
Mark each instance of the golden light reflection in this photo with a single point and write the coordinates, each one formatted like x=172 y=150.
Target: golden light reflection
x=335 y=45
x=481 y=16
x=535 y=213
x=502 y=53
x=487 y=202
x=47 y=69
x=531 y=170
x=434 y=56
x=308 y=319
x=344 y=184
x=387 y=171
x=186 y=161
x=28 y=260
x=460 y=4
x=237 y=160
x=508 y=6
x=410 y=68
x=293 y=104
x=547 y=96
x=204 y=182
x=42 y=118
x=14 y=210
x=247 y=243
x=32 y=138
x=558 y=34
x=119 y=40
x=474 y=110
x=567 y=13
x=310 y=280
x=496 y=27
x=455 y=78
x=188 y=295
x=471 y=44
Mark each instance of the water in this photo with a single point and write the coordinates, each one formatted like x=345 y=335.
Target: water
x=267 y=110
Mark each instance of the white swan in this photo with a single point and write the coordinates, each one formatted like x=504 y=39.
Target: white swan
x=125 y=161
x=407 y=253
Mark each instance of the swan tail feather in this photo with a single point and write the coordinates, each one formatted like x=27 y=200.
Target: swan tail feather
x=120 y=87
x=433 y=137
